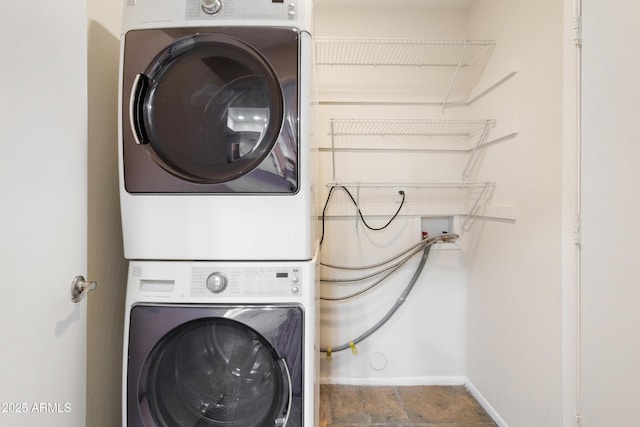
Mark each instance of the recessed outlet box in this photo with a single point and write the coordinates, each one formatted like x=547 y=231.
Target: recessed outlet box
x=437 y=225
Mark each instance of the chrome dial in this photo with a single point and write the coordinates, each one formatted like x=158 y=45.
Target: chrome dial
x=211 y=7
x=216 y=282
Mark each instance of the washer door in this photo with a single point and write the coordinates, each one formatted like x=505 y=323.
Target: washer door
x=208 y=109
x=215 y=372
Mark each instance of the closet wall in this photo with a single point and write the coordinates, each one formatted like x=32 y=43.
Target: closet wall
x=425 y=341
x=106 y=264
x=489 y=312
x=515 y=307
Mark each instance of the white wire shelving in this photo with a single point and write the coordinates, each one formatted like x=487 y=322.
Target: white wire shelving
x=366 y=70
x=381 y=199
x=467 y=136
x=459 y=63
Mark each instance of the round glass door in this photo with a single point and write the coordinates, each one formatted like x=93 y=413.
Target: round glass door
x=215 y=372
x=209 y=108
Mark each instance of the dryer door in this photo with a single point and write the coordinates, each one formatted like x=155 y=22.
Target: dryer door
x=210 y=111
x=215 y=372
x=209 y=108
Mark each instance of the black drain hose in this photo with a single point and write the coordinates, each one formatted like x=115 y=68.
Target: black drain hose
x=391 y=312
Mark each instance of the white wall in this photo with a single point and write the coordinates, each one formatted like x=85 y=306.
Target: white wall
x=425 y=341
x=514 y=355
x=106 y=264
x=610 y=211
x=501 y=325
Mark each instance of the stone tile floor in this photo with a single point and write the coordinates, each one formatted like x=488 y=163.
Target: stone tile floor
x=401 y=406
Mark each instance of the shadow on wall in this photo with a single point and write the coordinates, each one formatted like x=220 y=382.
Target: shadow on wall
x=106 y=263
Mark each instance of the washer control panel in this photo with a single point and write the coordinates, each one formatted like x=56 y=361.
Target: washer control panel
x=246 y=281
x=242 y=9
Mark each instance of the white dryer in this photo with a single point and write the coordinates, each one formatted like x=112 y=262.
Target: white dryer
x=220 y=344
x=215 y=149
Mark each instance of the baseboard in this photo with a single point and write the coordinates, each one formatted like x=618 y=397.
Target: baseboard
x=485 y=404
x=402 y=381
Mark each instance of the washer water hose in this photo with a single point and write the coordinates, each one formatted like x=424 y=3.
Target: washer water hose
x=391 y=312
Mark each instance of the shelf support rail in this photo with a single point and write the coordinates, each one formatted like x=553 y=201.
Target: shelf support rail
x=455 y=75
x=486 y=189
x=357 y=221
x=473 y=157
x=333 y=150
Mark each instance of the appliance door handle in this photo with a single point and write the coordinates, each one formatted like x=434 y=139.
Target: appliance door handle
x=282 y=421
x=136 y=107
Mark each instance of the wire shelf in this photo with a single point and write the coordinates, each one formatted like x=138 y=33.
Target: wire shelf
x=408 y=134
x=408 y=69
x=421 y=198
x=462 y=61
x=369 y=51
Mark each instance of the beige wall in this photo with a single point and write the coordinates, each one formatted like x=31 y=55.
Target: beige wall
x=424 y=342
x=512 y=299
x=105 y=260
x=514 y=353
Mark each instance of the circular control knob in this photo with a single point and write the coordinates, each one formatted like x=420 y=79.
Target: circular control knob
x=211 y=7
x=216 y=282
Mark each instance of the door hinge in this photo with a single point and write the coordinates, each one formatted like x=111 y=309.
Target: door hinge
x=577 y=230
x=578 y=31
x=577 y=419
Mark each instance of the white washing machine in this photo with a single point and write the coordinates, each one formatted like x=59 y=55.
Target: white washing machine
x=220 y=344
x=215 y=148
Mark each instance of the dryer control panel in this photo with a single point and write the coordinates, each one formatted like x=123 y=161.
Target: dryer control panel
x=246 y=281
x=146 y=14
x=242 y=9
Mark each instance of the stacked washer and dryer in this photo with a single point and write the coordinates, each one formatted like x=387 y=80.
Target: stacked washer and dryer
x=217 y=195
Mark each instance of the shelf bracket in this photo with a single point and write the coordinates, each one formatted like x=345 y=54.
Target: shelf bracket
x=455 y=76
x=474 y=209
x=357 y=207
x=473 y=157
x=333 y=150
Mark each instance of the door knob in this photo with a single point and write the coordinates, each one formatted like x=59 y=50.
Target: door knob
x=80 y=288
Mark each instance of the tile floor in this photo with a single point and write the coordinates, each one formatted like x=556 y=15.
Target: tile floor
x=406 y=406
